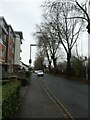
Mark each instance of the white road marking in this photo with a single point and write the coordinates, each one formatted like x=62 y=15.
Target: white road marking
x=65 y=112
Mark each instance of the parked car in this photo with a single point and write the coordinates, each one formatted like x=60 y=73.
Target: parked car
x=40 y=73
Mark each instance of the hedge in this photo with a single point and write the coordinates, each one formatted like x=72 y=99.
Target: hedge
x=0 y=102
x=24 y=77
x=10 y=98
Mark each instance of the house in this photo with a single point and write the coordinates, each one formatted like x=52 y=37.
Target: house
x=7 y=46
x=3 y=44
x=18 y=42
x=3 y=39
x=10 y=48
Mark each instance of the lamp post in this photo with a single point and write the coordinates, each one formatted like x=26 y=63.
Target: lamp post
x=30 y=60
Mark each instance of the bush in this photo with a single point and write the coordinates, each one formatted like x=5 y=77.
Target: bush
x=24 y=77
x=24 y=82
x=0 y=102
x=10 y=98
x=78 y=67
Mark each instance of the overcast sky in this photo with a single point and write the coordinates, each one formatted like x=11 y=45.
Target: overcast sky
x=23 y=15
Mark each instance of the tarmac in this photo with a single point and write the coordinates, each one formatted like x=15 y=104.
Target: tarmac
x=36 y=103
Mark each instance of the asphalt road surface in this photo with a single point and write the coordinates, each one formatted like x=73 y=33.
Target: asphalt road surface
x=73 y=94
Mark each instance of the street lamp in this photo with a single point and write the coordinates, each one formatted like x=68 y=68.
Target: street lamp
x=30 y=60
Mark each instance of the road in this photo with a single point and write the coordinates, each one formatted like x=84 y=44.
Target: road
x=73 y=94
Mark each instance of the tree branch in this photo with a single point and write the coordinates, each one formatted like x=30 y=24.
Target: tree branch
x=78 y=17
x=83 y=11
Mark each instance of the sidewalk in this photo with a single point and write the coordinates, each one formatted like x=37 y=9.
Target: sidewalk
x=36 y=103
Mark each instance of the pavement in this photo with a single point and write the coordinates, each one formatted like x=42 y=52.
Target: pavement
x=36 y=103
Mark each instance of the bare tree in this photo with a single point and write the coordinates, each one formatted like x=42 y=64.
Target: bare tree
x=84 y=13
x=66 y=30
x=87 y=18
x=38 y=63
x=48 y=42
x=83 y=8
x=42 y=44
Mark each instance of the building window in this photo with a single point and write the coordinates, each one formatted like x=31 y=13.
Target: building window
x=1 y=41
x=2 y=53
x=4 y=37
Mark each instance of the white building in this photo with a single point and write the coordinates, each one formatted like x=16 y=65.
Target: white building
x=18 y=42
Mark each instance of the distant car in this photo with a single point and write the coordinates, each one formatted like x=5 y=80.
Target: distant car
x=36 y=71
x=40 y=73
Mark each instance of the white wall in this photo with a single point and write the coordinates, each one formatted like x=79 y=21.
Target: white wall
x=17 y=50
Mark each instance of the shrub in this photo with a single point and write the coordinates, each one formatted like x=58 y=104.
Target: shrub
x=10 y=98
x=78 y=67
x=24 y=82
x=0 y=102
x=24 y=77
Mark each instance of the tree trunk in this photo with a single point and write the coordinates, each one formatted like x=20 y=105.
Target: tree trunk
x=55 y=65
x=49 y=66
x=68 y=64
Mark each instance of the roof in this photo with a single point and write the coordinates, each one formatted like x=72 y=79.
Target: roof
x=19 y=33
x=24 y=64
x=14 y=32
x=2 y=18
x=5 y=26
